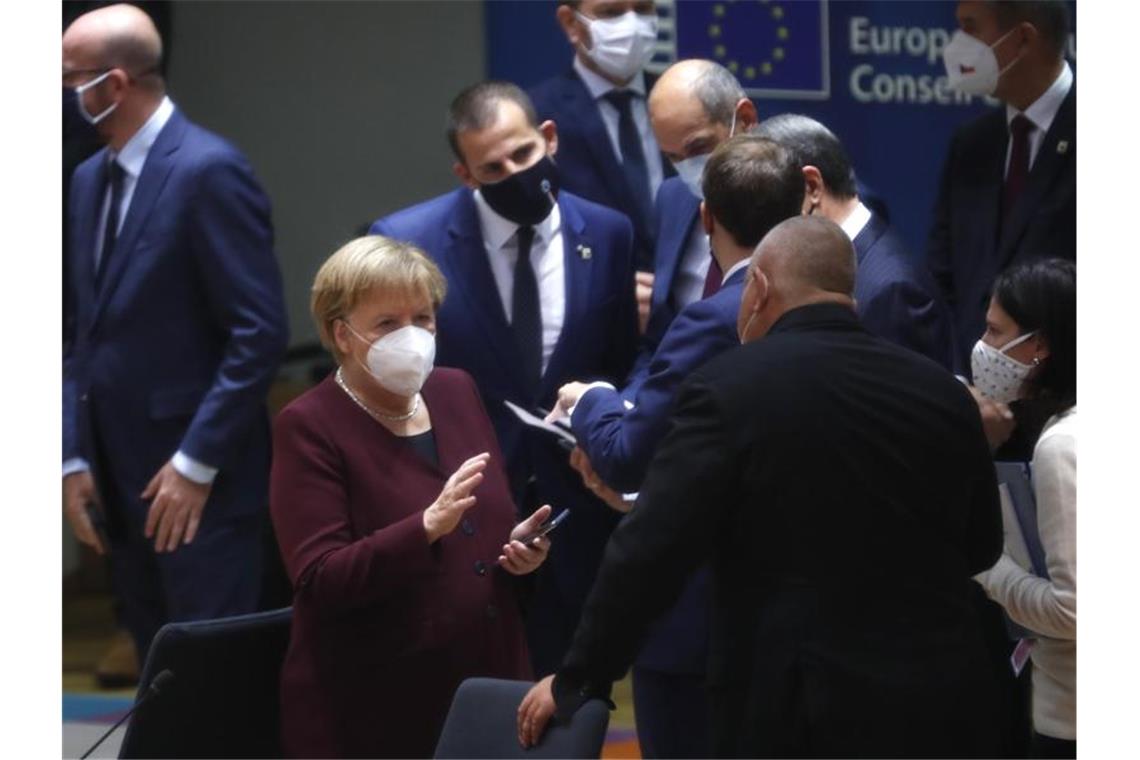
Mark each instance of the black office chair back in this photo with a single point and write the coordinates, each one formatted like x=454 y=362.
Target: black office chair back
x=223 y=698
x=482 y=724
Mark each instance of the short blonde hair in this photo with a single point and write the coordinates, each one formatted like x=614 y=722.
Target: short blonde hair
x=363 y=265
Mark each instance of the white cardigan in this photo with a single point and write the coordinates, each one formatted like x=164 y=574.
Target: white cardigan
x=1049 y=607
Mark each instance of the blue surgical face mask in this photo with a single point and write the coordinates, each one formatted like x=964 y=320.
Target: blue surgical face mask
x=692 y=169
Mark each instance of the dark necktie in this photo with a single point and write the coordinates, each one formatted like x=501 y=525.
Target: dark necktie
x=1015 y=178
x=713 y=278
x=632 y=156
x=111 y=227
x=526 y=314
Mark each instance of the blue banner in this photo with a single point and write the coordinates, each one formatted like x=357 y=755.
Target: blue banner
x=871 y=70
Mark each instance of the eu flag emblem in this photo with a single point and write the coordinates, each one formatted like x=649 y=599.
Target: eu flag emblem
x=776 y=48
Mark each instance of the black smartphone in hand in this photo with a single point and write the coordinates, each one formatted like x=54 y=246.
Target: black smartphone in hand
x=546 y=527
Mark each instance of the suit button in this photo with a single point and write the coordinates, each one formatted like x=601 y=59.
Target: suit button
x=83 y=398
x=492 y=611
x=480 y=567
x=467 y=527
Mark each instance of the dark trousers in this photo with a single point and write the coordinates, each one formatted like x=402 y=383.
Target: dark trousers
x=672 y=714
x=218 y=574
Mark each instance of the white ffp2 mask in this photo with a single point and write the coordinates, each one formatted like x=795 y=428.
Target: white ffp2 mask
x=972 y=65
x=401 y=360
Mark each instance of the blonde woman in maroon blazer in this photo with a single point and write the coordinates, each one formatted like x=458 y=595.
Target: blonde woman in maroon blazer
x=395 y=521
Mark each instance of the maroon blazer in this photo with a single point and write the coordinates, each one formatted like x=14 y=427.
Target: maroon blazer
x=386 y=626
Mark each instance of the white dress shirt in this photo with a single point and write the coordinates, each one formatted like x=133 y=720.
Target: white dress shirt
x=1041 y=113
x=131 y=159
x=856 y=221
x=598 y=86
x=546 y=257
x=689 y=282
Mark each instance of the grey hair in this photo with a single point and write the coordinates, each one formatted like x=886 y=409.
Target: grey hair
x=719 y=92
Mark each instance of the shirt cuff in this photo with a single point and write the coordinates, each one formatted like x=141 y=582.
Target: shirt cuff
x=74 y=465
x=590 y=387
x=192 y=469
x=629 y=498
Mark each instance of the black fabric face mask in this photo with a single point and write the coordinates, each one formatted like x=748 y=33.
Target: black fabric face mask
x=525 y=197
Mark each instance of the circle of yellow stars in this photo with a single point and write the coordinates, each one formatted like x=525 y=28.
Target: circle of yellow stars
x=749 y=70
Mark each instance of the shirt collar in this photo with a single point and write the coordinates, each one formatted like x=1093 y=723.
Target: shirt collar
x=498 y=230
x=856 y=221
x=133 y=155
x=734 y=269
x=598 y=86
x=1045 y=108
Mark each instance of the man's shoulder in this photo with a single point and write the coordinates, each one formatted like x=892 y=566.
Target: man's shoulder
x=674 y=192
x=548 y=94
x=593 y=213
x=982 y=131
x=424 y=217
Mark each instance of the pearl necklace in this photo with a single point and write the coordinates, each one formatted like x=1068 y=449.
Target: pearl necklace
x=371 y=412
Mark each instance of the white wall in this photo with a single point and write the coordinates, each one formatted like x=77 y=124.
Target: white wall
x=339 y=106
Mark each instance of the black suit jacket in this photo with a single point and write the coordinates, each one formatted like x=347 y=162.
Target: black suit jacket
x=843 y=491
x=969 y=245
x=895 y=296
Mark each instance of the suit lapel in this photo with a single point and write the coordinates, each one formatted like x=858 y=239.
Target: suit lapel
x=578 y=267
x=87 y=225
x=597 y=139
x=679 y=230
x=867 y=237
x=1048 y=164
x=155 y=171
x=476 y=284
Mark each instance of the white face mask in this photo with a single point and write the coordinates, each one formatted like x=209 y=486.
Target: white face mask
x=692 y=169
x=83 y=109
x=622 y=46
x=401 y=360
x=972 y=65
x=999 y=377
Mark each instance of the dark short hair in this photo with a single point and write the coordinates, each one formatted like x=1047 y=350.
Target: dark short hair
x=477 y=106
x=1049 y=17
x=815 y=145
x=1042 y=296
x=750 y=185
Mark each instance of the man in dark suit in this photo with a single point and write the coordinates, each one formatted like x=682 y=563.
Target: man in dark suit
x=895 y=297
x=608 y=153
x=179 y=327
x=522 y=325
x=1009 y=185
x=842 y=489
x=750 y=185
x=695 y=106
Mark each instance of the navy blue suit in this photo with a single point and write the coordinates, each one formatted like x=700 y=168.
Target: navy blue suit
x=896 y=298
x=678 y=212
x=175 y=350
x=970 y=243
x=587 y=164
x=668 y=694
x=597 y=342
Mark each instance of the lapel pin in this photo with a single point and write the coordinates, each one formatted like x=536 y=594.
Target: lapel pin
x=585 y=252
x=1063 y=147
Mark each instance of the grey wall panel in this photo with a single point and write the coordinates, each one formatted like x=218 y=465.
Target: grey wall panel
x=339 y=106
